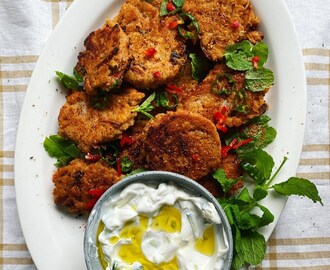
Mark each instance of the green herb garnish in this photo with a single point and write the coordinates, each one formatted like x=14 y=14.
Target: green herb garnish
x=200 y=66
x=259 y=79
x=190 y=29
x=146 y=106
x=70 y=82
x=126 y=165
x=249 y=244
x=62 y=149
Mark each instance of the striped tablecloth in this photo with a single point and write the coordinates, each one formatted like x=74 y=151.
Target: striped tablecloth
x=301 y=239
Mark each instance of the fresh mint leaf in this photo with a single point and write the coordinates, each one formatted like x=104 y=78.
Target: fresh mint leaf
x=258 y=164
x=238 y=56
x=260 y=50
x=62 y=149
x=226 y=183
x=67 y=81
x=259 y=193
x=178 y=3
x=163 y=10
x=200 y=66
x=244 y=196
x=136 y=171
x=259 y=79
x=266 y=218
x=298 y=186
x=253 y=247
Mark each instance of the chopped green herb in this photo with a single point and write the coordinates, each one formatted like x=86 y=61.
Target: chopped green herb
x=238 y=56
x=146 y=106
x=200 y=66
x=62 y=149
x=67 y=81
x=166 y=100
x=190 y=29
x=100 y=100
x=126 y=165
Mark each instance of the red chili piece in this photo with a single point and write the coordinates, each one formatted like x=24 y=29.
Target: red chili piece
x=90 y=204
x=118 y=167
x=150 y=52
x=91 y=157
x=234 y=144
x=235 y=24
x=220 y=117
x=241 y=143
x=174 y=24
x=126 y=140
x=173 y=89
x=97 y=192
x=170 y=6
x=255 y=61
x=195 y=157
x=157 y=74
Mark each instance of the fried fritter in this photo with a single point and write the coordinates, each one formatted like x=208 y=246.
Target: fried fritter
x=135 y=151
x=222 y=23
x=106 y=58
x=158 y=52
x=79 y=184
x=88 y=126
x=184 y=143
x=204 y=101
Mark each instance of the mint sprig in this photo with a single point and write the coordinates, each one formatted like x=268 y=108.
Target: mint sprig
x=249 y=244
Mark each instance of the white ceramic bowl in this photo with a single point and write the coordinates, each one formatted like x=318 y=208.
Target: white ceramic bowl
x=151 y=178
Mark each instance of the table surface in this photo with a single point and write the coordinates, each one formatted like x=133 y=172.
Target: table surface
x=301 y=239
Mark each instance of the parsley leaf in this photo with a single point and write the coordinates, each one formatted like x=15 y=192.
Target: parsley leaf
x=62 y=149
x=259 y=79
x=298 y=186
x=200 y=66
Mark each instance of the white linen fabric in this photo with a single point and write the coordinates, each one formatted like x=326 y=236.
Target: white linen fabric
x=301 y=239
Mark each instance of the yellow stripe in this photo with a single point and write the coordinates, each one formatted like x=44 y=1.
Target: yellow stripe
x=318 y=81
x=7 y=182
x=316 y=51
x=14 y=88
x=317 y=66
x=7 y=154
x=320 y=267
x=13 y=247
x=6 y=168
x=316 y=147
x=16 y=261
x=314 y=161
x=315 y=175
x=18 y=59
x=55 y=13
x=16 y=74
x=299 y=241
x=298 y=255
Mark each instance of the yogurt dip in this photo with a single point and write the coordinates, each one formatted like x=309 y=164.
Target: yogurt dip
x=164 y=227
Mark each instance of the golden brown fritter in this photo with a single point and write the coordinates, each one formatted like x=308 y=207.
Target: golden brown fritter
x=204 y=101
x=184 y=143
x=79 y=184
x=231 y=166
x=184 y=80
x=222 y=23
x=106 y=58
x=135 y=151
x=88 y=126
x=158 y=52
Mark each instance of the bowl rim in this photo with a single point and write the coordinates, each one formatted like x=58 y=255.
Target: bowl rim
x=179 y=180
